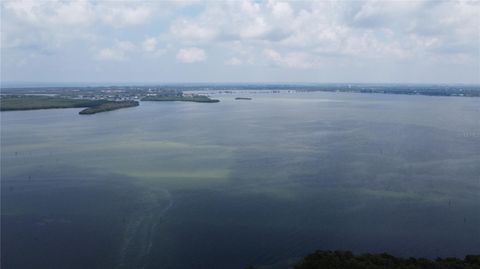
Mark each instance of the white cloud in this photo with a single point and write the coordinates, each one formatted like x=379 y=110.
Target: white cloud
x=296 y=60
x=111 y=54
x=233 y=61
x=362 y=29
x=150 y=47
x=150 y=44
x=116 y=53
x=125 y=15
x=258 y=27
x=281 y=10
x=295 y=35
x=51 y=13
x=197 y=32
x=245 y=20
x=43 y=26
x=191 y=55
x=125 y=45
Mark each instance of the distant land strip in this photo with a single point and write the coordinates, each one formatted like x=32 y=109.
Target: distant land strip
x=93 y=102
x=464 y=90
x=197 y=98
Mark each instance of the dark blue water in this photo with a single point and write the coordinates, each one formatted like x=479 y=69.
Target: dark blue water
x=225 y=185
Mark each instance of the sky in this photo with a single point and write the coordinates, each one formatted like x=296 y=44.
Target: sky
x=240 y=41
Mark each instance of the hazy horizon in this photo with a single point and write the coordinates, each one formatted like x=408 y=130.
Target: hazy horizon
x=32 y=84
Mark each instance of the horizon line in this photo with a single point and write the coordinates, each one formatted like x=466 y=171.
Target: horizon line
x=32 y=84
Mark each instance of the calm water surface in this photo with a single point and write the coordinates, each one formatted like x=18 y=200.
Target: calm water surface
x=225 y=185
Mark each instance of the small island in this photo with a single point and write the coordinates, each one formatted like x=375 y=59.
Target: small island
x=108 y=106
x=243 y=98
x=182 y=98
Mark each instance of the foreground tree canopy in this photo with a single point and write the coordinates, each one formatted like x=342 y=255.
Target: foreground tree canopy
x=345 y=259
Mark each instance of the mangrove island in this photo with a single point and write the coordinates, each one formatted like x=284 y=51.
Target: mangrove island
x=108 y=106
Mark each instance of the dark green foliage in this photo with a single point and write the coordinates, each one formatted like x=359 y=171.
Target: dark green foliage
x=108 y=106
x=29 y=102
x=196 y=98
x=346 y=260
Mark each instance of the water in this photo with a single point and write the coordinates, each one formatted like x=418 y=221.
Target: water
x=190 y=185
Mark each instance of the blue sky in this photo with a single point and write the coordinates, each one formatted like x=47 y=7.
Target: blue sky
x=240 y=41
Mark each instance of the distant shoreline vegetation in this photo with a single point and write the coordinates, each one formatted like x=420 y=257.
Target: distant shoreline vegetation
x=93 y=103
x=182 y=98
x=31 y=102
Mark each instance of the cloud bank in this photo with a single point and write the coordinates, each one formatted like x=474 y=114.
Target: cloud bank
x=317 y=41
